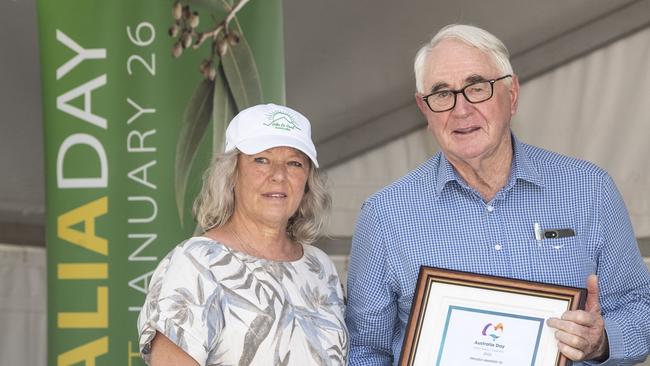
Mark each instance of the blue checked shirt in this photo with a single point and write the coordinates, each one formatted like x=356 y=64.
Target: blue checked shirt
x=432 y=217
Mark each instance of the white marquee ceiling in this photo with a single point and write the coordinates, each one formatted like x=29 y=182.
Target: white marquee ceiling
x=348 y=67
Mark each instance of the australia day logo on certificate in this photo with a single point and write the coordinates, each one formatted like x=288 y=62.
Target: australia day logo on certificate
x=491 y=332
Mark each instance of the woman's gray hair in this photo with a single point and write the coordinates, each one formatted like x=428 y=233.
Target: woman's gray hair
x=216 y=202
x=471 y=35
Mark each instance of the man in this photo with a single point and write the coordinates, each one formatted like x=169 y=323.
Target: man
x=479 y=206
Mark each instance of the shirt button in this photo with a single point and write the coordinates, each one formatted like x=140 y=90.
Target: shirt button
x=490 y=208
x=497 y=247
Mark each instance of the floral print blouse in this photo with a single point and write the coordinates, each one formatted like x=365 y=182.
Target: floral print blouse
x=224 y=307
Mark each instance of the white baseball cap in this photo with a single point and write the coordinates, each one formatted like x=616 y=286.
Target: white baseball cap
x=265 y=126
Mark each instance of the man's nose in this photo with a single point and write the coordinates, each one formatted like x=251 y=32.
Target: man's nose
x=463 y=106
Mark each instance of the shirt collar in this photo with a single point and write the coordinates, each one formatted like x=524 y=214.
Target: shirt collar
x=445 y=174
x=522 y=168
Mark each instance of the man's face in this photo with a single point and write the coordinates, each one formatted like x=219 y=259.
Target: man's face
x=469 y=132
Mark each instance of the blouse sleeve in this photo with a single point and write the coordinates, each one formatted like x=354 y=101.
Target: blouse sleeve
x=183 y=303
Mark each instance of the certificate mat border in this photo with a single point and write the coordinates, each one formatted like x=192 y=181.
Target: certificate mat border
x=575 y=298
x=454 y=307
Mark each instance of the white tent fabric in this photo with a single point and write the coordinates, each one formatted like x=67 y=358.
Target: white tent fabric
x=23 y=306
x=595 y=108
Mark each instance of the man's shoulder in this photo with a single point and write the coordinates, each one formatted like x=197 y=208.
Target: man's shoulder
x=550 y=162
x=412 y=184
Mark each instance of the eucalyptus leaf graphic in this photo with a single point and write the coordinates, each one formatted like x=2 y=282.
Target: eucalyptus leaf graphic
x=195 y=122
x=231 y=81
x=241 y=72
x=223 y=111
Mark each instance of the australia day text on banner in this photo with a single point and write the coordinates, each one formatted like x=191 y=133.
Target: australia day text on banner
x=136 y=96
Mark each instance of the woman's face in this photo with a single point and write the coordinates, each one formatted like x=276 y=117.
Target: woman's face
x=270 y=185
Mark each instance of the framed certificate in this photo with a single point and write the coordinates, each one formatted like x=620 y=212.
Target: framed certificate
x=461 y=318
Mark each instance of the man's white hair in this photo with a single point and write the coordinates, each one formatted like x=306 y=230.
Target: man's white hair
x=471 y=35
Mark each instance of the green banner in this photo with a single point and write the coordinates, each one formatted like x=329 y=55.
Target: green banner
x=136 y=96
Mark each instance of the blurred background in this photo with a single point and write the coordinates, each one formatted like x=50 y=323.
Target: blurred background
x=584 y=67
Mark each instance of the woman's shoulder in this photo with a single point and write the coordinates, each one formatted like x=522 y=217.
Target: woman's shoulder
x=195 y=257
x=315 y=252
x=315 y=255
x=197 y=249
x=320 y=272
x=201 y=244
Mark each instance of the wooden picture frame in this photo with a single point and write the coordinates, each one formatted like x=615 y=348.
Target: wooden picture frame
x=462 y=318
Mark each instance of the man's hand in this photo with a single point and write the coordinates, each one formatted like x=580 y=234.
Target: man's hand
x=581 y=333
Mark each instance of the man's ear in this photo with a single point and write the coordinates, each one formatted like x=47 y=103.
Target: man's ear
x=424 y=108
x=514 y=95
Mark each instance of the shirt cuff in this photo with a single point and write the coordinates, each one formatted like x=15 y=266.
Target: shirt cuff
x=192 y=346
x=615 y=344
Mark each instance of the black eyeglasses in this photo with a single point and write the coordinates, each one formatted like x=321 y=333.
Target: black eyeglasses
x=444 y=100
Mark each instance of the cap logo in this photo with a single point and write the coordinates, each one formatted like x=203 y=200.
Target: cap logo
x=281 y=121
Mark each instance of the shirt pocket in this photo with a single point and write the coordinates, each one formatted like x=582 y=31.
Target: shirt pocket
x=562 y=261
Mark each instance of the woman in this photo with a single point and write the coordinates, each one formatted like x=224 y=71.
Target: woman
x=251 y=290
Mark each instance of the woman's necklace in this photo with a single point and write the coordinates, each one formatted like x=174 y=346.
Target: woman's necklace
x=248 y=249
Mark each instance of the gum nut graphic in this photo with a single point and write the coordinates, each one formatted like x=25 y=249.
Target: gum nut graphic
x=233 y=38
x=187 y=39
x=177 y=50
x=212 y=73
x=223 y=47
x=194 y=20
x=177 y=10
x=204 y=65
x=173 y=30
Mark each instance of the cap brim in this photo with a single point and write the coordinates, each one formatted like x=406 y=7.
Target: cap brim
x=256 y=145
